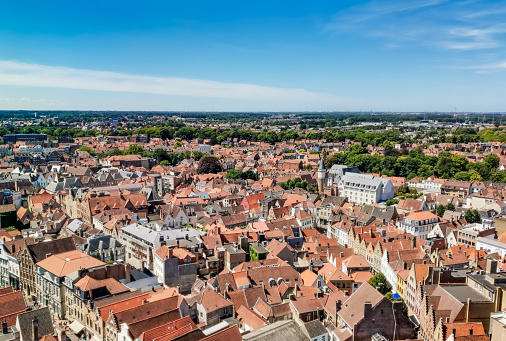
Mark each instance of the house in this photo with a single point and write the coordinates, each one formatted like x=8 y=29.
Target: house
x=211 y=307
x=34 y=253
x=420 y=224
x=50 y=276
x=34 y=324
x=175 y=267
x=459 y=189
x=103 y=247
x=453 y=304
x=367 y=312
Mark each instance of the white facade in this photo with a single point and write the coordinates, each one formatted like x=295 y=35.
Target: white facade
x=365 y=189
x=491 y=245
x=387 y=270
x=204 y=148
x=9 y=268
x=420 y=228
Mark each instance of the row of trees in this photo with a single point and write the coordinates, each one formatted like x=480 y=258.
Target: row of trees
x=297 y=183
x=415 y=163
x=237 y=173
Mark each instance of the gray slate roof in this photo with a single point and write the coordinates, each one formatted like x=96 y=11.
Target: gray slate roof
x=43 y=316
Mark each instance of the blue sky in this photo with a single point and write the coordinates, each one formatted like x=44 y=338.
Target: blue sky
x=430 y=55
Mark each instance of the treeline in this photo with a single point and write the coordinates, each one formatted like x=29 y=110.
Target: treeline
x=161 y=156
x=51 y=131
x=415 y=163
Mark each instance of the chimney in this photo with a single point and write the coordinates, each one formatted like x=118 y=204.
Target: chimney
x=367 y=308
x=13 y=248
x=491 y=266
x=128 y=268
x=4 y=327
x=171 y=253
x=338 y=305
x=454 y=331
x=35 y=329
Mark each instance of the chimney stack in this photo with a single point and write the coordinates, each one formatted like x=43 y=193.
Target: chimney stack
x=491 y=266
x=338 y=305
x=35 y=329
x=4 y=327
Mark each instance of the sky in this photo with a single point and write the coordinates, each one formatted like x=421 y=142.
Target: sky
x=207 y=55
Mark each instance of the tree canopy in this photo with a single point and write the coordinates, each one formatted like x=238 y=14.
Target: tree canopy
x=209 y=164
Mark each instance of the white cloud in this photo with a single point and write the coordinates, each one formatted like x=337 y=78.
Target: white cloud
x=36 y=75
x=444 y=24
x=489 y=67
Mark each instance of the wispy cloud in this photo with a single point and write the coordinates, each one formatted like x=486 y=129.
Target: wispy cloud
x=36 y=75
x=488 y=67
x=444 y=24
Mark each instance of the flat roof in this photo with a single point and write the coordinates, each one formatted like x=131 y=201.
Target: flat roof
x=463 y=292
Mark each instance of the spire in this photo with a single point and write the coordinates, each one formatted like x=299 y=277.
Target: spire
x=322 y=165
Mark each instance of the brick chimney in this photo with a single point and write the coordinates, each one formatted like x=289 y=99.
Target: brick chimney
x=35 y=329
x=367 y=308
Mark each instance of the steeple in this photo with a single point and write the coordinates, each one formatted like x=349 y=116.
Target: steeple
x=322 y=166
x=322 y=174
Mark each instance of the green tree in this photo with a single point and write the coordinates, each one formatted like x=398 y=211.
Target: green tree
x=463 y=176
x=440 y=210
x=475 y=176
x=186 y=133
x=391 y=202
x=165 y=134
x=450 y=207
x=249 y=174
x=234 y=174
x=472 y=216
x=87 y=149
x=492 y=160
x=380 y=283
x=177 y=144
x=135 y=149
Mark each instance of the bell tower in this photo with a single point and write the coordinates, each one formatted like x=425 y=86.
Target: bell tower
x=322 y=174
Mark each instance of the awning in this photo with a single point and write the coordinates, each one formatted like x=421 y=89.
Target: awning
x=396 y=296
x=76 y=327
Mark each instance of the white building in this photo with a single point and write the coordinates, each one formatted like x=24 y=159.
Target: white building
x=204 y=148
x=365 y=188
x=491 y=245
x=420 y=224
x=140 y=241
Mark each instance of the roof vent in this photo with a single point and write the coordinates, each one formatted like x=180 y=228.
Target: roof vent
x=67 y=259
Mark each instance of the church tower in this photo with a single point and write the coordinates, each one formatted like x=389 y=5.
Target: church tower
x=322 y=174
